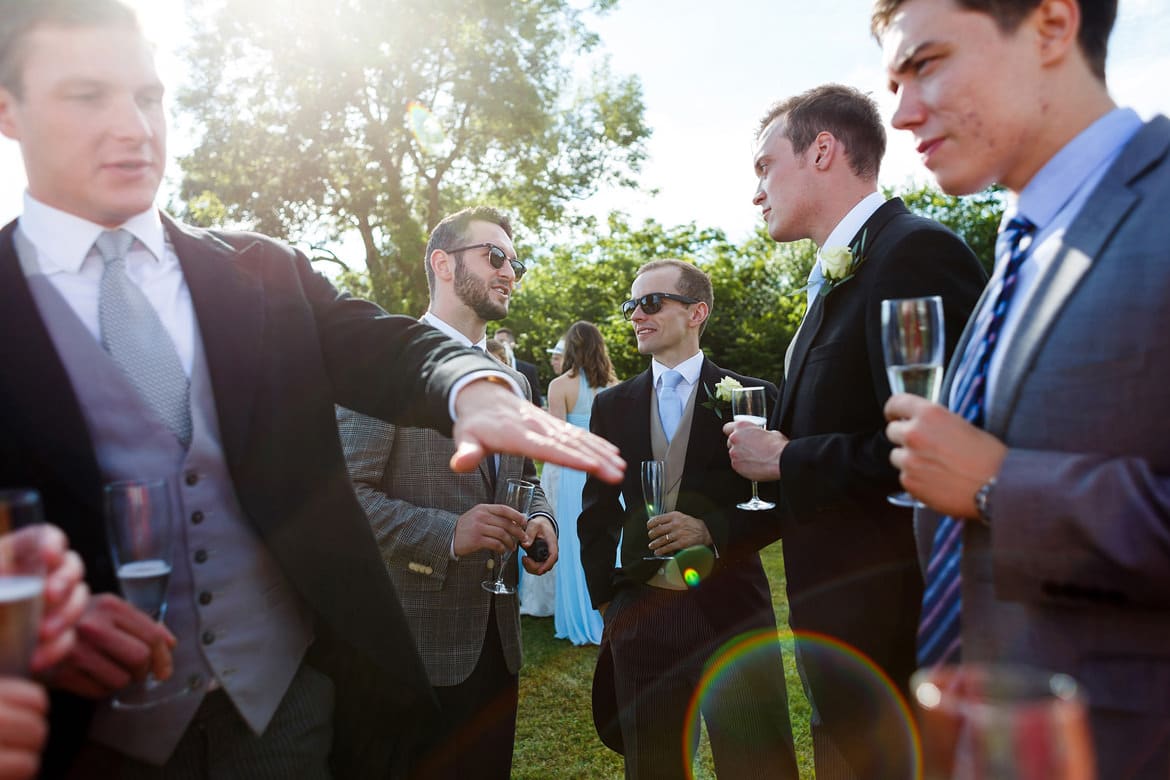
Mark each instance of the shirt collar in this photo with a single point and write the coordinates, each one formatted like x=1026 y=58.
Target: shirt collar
x=430 y=319
x=63 y=240
x=851 y=223
x=689 y=368
x=1063 y=176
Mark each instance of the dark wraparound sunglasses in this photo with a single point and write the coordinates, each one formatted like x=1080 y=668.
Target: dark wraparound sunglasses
x=496 y=257
x=651 y=303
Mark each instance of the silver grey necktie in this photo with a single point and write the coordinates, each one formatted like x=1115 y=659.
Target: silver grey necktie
x=135 y=338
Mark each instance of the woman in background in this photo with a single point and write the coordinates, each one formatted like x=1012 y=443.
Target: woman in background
x=538 y=593
x=570 y=397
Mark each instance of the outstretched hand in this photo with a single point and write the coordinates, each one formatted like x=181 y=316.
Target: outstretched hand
x=490 y=418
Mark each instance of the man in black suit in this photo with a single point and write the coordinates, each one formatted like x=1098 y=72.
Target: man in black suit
x=849 y=554
x=138 y=347
x=508 y=339
x=659 y=633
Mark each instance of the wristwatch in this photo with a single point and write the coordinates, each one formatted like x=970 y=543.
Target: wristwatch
x=983 y=501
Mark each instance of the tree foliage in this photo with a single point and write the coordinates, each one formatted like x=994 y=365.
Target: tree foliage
x=756 y=311
x=974 y=217
x=377 y=117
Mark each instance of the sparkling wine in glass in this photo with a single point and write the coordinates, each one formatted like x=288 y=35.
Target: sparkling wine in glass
x=914 y=345
x=654 y=494
x=140 y=526
x=748 y=405
x=22 y=578
x=517 y=495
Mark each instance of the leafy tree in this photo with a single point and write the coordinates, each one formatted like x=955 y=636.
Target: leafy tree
x=326 y=117
x=974 y=217
x=755 y=315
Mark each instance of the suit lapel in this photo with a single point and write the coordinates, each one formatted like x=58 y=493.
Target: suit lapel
x=229 y=310
x=809 y=327
x=806 y=333
x=35 y=382
x=1089 y=232
x=706 y=435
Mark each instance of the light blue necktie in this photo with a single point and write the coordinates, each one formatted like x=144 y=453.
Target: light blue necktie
x=669 y=403
x=135 y=338
x=816 y=277
x=940 y=627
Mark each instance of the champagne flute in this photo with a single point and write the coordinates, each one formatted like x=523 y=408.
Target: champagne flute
x=1001 y=722
x=140 y=527
x=517 y=495
x=654 y=494
x=22 y=578
x=914 y=344
x=748 y=404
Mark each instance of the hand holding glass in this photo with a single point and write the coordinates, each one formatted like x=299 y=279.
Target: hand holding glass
x=914 y=344
x=517 y=495
x=140 y=527
x=22 y=579
x=748 y=404
x=654 y=494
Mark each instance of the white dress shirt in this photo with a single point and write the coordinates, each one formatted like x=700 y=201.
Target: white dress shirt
x=841 y=235
x=690 y=369
x=64 y=245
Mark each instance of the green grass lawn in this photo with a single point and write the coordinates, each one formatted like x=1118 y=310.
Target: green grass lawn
x=554 y=733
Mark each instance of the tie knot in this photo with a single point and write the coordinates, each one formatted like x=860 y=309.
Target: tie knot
x=114 y=244
x=671 y=379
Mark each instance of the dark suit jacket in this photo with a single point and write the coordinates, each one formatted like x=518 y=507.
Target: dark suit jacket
x=530 y=373
x=1073 y=573
x=282 y=347
x=735 y=596
x=850 y=555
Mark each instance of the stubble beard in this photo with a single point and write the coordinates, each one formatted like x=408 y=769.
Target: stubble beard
x=473 y=292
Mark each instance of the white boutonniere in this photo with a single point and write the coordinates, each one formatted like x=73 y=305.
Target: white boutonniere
x=717 y=399
x=840 y=263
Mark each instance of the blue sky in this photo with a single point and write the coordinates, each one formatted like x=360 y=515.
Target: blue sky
x=710 y=69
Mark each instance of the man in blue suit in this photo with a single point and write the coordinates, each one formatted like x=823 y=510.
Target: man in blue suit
x=1049 y=482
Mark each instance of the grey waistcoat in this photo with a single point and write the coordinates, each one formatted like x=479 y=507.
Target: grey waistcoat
x=239 y=622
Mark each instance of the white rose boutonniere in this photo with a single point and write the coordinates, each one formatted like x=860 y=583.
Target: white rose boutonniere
x=718 y=399
x=836 y=263
x=840 y=263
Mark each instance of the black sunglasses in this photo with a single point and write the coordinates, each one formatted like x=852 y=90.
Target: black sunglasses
x=496 y=257
x=651 y=303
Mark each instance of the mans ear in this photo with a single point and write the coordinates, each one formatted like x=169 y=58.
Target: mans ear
x=442 y=264
x=699 y=313
x=1056 y=24
x=823 y=149
x=8 y=105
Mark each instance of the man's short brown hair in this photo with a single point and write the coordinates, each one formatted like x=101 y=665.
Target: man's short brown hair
x=849 y=114
x=451 y=232
x=18 y=18
x=1097 y=18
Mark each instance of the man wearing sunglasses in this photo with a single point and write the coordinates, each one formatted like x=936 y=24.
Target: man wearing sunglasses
x=439 y=532
x=660 y=628
x=849 y=555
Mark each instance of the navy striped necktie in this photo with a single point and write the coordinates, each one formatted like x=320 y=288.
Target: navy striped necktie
x=939 y=630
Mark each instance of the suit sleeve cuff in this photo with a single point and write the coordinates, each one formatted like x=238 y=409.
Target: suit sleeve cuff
x=464 y=381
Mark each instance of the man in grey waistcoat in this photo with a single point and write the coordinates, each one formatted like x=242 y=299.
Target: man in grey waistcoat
x=138 y=347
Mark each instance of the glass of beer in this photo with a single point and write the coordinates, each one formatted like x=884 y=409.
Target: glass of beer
x=22 y=578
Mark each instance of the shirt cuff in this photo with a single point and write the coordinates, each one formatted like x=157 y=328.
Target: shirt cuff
x=464 y=381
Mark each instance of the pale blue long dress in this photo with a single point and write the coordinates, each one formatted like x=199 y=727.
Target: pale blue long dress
x=575 y=618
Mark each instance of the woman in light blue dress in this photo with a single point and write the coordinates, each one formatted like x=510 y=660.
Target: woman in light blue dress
x=570 y=397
